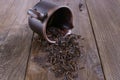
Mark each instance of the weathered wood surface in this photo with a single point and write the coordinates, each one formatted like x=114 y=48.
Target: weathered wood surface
x=90 y=59
x=15 y=38
x=105 y=16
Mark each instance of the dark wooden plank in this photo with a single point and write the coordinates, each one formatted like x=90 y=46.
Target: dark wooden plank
x=89 y=60
x=15 y=38
x=105 y=16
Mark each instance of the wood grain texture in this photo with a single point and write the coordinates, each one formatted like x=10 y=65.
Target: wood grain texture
x=89 y=60
x=105 y=16
x=15 y=38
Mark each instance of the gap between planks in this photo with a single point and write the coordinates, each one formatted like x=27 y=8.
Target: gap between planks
x=95 y=39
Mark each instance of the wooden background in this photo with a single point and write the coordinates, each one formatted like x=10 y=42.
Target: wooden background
x=98 y=21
